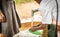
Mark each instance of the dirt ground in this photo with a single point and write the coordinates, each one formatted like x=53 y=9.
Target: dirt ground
x=25 y=9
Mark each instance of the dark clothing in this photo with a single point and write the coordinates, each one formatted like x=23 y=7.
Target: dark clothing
x=0 y=28
x=0 y=23
x=51 y=30
x=18 y=19
x=10 y=27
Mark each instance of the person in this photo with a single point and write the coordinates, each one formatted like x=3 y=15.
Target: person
x=48 y=9
x=2 y=17
x=11 y=25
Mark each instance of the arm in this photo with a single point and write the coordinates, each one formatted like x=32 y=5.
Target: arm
x=2 y=17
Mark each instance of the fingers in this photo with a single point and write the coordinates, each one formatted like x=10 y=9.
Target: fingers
x=41 y=27
x=2 y=18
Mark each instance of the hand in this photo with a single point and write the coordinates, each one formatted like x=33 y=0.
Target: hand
x=2 y=18
x=43 y=26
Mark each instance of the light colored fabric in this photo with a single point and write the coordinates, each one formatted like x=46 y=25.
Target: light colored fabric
x=48 y=10
x=26 y=33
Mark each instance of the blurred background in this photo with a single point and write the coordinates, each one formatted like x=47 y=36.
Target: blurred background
x=25 y=7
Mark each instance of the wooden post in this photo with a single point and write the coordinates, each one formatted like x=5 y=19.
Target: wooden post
x=45 y=32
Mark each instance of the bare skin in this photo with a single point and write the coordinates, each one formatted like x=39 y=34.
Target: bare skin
x=2 y=17
x=38 y=27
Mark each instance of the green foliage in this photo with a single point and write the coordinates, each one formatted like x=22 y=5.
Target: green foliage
x=23 y=1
